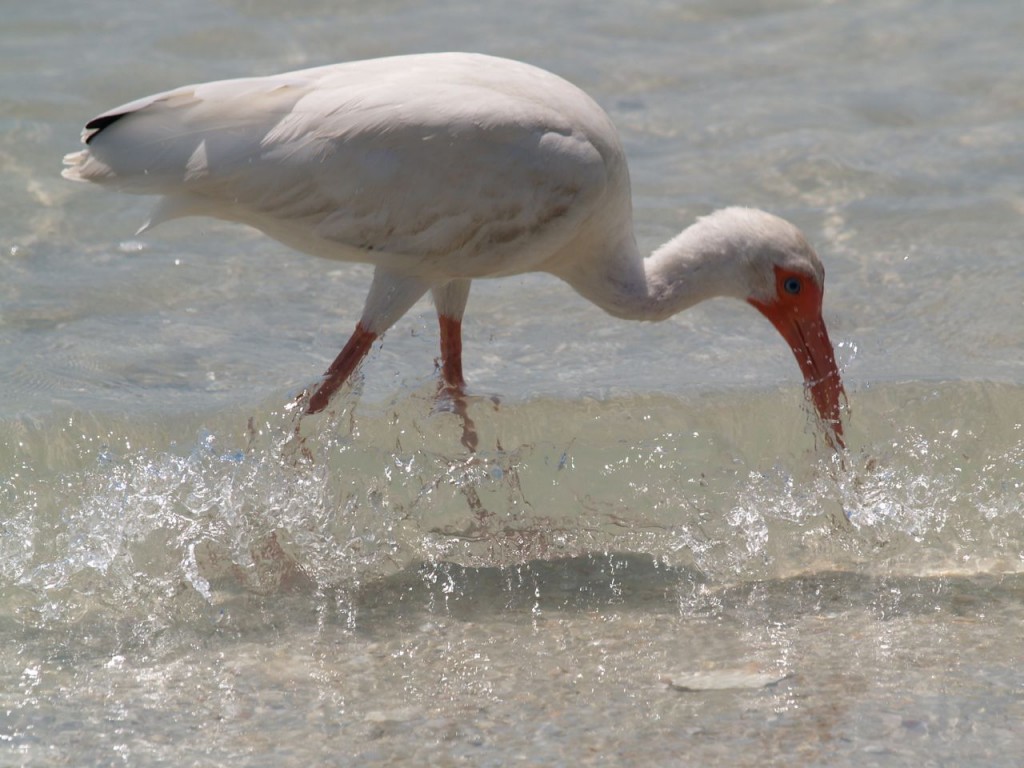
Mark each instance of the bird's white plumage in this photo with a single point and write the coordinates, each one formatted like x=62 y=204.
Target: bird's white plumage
x=436 y=166
x=438 y=169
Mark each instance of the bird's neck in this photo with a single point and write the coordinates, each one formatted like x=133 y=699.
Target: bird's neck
x=686 y=270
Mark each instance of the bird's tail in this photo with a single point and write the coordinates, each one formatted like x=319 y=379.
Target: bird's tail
x=188 y=145
x=80 y=166
x=189 y=137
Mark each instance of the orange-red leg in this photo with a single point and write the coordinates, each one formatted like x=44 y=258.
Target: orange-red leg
x=453 y=385
x=451 y=353
x=355 y=350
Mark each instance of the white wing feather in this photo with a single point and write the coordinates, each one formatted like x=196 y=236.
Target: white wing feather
x=389 y=161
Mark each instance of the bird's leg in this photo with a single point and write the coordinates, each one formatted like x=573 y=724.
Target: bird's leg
x=453 y=386
x=450 y=300
x=389 y=298
x=354 y=351
x=451 y=353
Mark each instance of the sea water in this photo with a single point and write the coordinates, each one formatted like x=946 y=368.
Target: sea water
x=651 y=557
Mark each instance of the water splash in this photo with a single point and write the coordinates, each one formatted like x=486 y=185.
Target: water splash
x=191 y=516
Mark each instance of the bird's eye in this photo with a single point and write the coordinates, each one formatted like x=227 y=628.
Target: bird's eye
x=792 y=285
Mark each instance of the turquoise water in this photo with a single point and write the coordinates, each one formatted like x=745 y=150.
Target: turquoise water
x=650 y=558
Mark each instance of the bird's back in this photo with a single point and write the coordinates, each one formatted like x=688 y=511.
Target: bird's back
x=459 y=164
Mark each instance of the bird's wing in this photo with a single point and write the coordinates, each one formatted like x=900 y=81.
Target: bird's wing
x=344 y=157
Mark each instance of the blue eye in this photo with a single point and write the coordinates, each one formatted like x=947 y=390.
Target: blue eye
x=792 y=285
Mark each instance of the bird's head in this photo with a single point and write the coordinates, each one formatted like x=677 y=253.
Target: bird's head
x=767 y=262
x=785 y=282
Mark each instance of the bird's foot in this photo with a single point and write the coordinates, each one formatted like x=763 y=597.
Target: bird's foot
x=453 y=399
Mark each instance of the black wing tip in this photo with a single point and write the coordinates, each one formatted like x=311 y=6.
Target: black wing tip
x=97 y=124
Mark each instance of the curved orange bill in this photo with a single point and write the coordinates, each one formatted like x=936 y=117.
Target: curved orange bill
x=807 y=336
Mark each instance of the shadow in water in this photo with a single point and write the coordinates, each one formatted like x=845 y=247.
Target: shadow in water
x=584 y=583
x=633 y=583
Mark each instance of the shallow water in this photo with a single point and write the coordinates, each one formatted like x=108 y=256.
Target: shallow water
x=651 y=557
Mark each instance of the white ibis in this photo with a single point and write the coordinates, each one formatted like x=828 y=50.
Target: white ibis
x=441 y=168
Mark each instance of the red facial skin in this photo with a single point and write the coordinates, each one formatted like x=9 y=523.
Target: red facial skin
x=795 y=311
